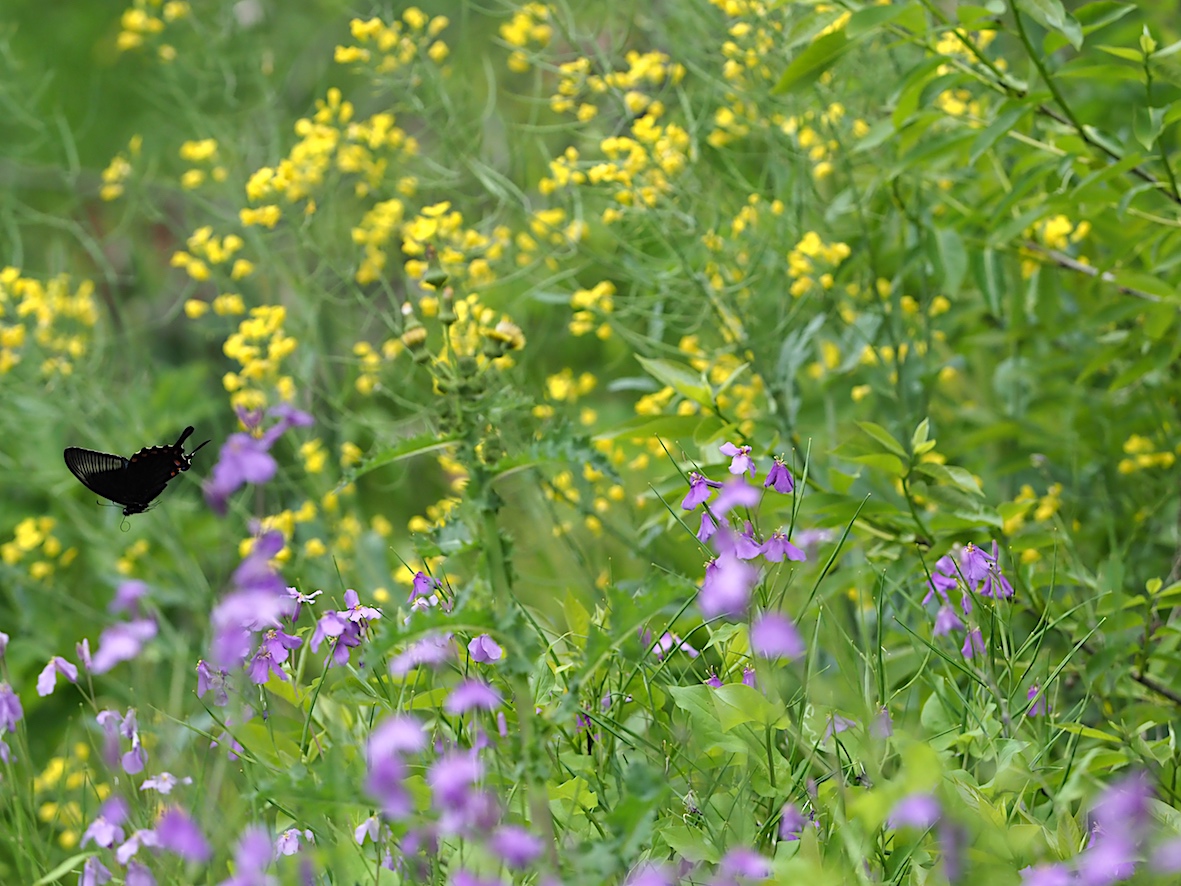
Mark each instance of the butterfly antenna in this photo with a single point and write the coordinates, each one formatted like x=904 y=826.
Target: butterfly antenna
x=194 y=452
x=184 y=436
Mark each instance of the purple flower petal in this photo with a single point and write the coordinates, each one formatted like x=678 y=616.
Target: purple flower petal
x=772 y=635
x=471 y=694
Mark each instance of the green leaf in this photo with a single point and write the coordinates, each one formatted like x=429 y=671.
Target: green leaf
x=921 y=434
x=870 y=18
x=949 y=475
x=1132 y=55
x=807 y=67
x=1146 y=283
x=671 y=427
x=1147 y=124
x=988 y=272
x=690 y=844
x=1009 y=116
x=884 y=437
x=411 y=448
x=70 y=865
x=1053 y=15
x=577 y=618
x=951 y=261
x=891 y=464
x=683 y=379
x=737 y=704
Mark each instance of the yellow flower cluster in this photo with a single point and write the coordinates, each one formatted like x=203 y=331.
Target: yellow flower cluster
x=437 y=239
x=203 y=154
x=389 y=47
x=285 y=522
x=742 y=399
x=1058 y=232
x=548 y=227
x=751 y=39
x=729 y=267
x=811 y=262
x=330 y=139
x=125 y=565
x=369 y=376
x=437 y=514
x=56 y=320
x=33 y=539
x=119 y=170
x=1143 y=455
x=589 y=306
x=594 y=484
x=259 y=346
x=145 y=20
x=73 y=774
x=474 y=325
x=206 y=252
x=529 y=25
x=645 y=70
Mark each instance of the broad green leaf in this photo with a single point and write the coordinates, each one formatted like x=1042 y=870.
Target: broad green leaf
x=1132 y=55
x=577 y=618
x=950 y=475
x=819 y=55
x=671 y=427
x=1053 y=15
x=737 y=703
x=1008 y=117
x=921 y=433
x=1147 y=124
x=883 y=461
x=870 y=18
x=683 y=379
x=690 y=844
x=1146 y=283
x=951 y=261
x=884 y=437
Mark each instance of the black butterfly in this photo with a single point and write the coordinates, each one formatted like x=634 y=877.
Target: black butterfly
x=132 y=482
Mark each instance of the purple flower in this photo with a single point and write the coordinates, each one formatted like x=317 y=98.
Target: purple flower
x=973 y=644
x=94 y=873
x=251 y=859
x=995 y=584
x=669 y=642
x=708 y=527
x=772 y=635
x=714 y=680
x=484 y=650
x=272 y=652
x=138 y=875
x=745 y=546
x=130 y=847
x=48 y=678
x=727 y=586
x=106 y=828
x=915 y=811
x=740 y=461
x=212 y=679
x=749 y=677
x=974 y=565
x=1047 y=875
x=700 y=489
x=515 y=846
x=164 y=782
x=649 y=874
x=1166 y=858
x=942 y=579
x=736 y=494
x=883 y=724
x=431 y=650
x=10 y=709
x=1038 y=698
x=779 y=478
x=177 y=833
x=423 y=586
x=287 y=843
x=777 y=547
x=837 y=723
x=791 y=822
x=289 y=417
x=399 y=734
x=355 y=612
x=121 y=642
x=243 y=459
x=946 y=621
x=452 y=779
x=127 y=596
x=335 y=626
x=471 y=694
x=300 y=599
x=742 y=862
x=370 y=828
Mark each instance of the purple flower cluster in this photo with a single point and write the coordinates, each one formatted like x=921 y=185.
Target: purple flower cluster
x=344 y=627
x=980 y=573
x=245 y=458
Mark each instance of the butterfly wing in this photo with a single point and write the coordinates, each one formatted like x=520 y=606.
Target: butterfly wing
x=100 y=472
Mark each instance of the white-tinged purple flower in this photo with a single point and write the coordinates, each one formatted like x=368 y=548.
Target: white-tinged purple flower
x=727 y=587
x=251 y=859
x=700 y=489
x=837 y=723
x=243 y=459
x=484 y=650
x=164 y=782
x=177 y=833
x=669 y=642
x=915 y=811
x=422 y=586
x=515 y=846
x=287 y=843
x=301 y=599
x=128 y=849
x=369 y=829
x=10 y=709
x=791 y=822
x=48 y=677
x=778 y=547
x=432 y=650
x=973 y=644
x=1054 y=874
x=736 y=494
x=772 y=636
x=121 y=642
x=355 y=612
x=942 y=579
x=779 y=478
x=740 y=460
x=214 y=679
x=106 y=829
x=471 y=694
x=1038 y=698
x=94 y=873
x=127 y=596
x=707 y=529
x=946 y=621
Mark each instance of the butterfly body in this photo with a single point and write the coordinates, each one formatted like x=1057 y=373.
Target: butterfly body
x=132 y=482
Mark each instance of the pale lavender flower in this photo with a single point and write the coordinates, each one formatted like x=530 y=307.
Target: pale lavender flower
x=431 y=650
x=164 y=782
x=129 y=848
x=106 y=829
x=772 y=635
x=714 y=680
x=810 y=540
x=121 y=642
x=3 y=643
x=1055 y=874
x=127 y=596
x=10 y=709
x=369 y=829
x=973 y=644
x=422 y=586
x=397 y=734
x=739 y=865
x=94 y=873
x=651 y=874
x=484 y=650
x=287 y=843
x=471 y=694
x=914 y=811
x=243 y=459
x=974 y=565
x=83 y=650
x=452 y=778
x=727 y=586
x=745 y=546
x=700 y=489
x=289 y=417
x=995 y=583
x=883 y=724
x=708 y=527
x=48 y=678
x=1038 y=698
x=138 y=875
x=251 y=859
x=837 y=723
x=946 y=621
x=749 y=677
x=736 y=494
x=354 y=611
x=208 y=679
x=779 y=478
x=942 y=579
x=515 y=846
x=1166 y=858
x=791 y=822
x=669 y=642
x=740 y=460
x=778 y=547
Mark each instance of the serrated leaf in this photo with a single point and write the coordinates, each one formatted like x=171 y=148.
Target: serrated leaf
x=681 y=378
x=884 y=437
